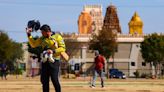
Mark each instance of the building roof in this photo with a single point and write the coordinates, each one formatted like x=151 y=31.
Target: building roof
x=120 y=38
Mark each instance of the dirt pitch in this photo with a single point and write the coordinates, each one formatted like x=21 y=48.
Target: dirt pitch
x=26 y=84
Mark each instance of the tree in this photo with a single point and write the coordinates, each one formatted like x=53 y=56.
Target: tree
x=152 y=50
x=105 y=43
x=161 y=48
x=5 y=47
x=10 y=51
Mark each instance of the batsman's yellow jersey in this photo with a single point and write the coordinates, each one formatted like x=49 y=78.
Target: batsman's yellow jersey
x=55 y=43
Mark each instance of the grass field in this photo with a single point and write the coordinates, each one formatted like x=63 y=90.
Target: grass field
x=26 y=84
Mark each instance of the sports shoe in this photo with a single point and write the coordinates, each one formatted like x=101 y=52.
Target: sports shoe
x=92 y=86
x=102 y=87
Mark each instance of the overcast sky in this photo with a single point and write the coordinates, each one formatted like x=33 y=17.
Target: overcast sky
x=62 y=15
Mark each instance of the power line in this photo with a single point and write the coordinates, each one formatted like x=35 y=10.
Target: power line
x=36 y=4
x=70 y=5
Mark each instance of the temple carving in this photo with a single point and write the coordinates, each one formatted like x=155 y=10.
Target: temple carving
x=90 y=19
x=111 y=20
x=84 y=23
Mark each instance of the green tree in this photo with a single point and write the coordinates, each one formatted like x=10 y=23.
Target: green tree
x=5 y=47
x=161 y=48
x=10 y=51
x=152 y=49
x=16 y=53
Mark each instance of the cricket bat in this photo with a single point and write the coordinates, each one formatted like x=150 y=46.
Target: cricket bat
x=65 y=56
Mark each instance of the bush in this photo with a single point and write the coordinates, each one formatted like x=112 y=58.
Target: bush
x=145 y=75
x=6 y=73
x=18 y=71
x=137 y=74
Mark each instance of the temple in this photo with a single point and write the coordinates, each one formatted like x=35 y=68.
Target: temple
x=90 y=20
x=135 y=25
x=84 y=23
x=127 y=58
x=111 y=20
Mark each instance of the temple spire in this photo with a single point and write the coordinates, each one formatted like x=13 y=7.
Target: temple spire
x=111 y=20
x=135 y=24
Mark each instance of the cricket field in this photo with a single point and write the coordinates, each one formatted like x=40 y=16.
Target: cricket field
x=28 y=84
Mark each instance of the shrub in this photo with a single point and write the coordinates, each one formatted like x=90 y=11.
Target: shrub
x=144 y=75
x=137 y=74
x=18 y=71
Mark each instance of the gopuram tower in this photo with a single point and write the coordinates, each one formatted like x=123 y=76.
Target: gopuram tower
x=111 y=21
x=84 y=23
x=90 y=19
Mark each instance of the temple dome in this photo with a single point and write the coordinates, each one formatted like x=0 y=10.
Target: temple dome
x=135 y=25
x=136 y=19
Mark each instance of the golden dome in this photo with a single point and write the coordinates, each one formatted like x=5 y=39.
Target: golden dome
x=135 y=25
x=136 y=18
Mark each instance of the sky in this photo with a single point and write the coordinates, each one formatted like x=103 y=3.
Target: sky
x=62 y=15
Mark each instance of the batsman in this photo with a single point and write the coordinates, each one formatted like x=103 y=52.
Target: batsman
x=53 y=44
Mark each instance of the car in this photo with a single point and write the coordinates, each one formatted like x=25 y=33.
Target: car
x=115 y=73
